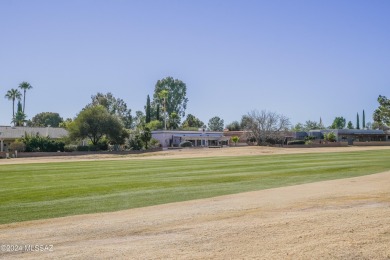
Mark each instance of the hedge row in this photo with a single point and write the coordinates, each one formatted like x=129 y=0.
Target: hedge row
x=294 y=142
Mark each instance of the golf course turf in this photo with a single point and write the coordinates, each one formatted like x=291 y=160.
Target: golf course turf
x=48 y=190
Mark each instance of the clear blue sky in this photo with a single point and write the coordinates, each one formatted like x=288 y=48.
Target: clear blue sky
x=303 y=59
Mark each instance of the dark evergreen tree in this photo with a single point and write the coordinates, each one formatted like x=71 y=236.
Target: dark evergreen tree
x=364 y=120
x=357 y=121
x=147 y=110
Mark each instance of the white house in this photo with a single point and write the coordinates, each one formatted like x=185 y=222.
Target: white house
x=199 y=138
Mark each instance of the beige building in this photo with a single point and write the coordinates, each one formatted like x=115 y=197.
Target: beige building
x=8 y=134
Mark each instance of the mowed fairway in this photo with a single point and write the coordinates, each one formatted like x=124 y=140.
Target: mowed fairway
x=36 y=191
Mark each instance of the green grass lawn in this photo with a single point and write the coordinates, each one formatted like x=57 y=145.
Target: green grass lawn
x=36 y=191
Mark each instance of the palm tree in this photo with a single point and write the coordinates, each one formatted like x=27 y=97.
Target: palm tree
x=13 y=94
x=24 y=86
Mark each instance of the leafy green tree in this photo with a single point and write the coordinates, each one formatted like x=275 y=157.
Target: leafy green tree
x=46 y=119
x=13 y=94
x=119 y=136
x=147 y=110
x=24 y=86
x=115 y=106
x=175 y=100
x=235 y=140
x=192 y=121
x=216 y=124
x=298 y=128
x=381 y=115
x=139 y=120
x=234 y=126
x=65 y=124
x=20 y=117
x=154 y=125
x=94 y=123
x=338 y=123
x=312 y=125
x=245 y=122
x=357 y=121
x=350 y=125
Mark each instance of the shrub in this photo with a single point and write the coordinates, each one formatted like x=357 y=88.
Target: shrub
x=70 y=148
x=154 y=143
x=82 y=148
x=185 y=144
x=295 y=142
x=93 y=148
x=42 y=144
x=102 y=145
x=135 y=142
x=17 y=146
x=330 y=137
x=308 y=138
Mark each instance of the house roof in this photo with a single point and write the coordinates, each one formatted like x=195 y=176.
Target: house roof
x=10 y=132
x=199 y=135
x=178 y=132
x=351 y=131
x=202 y=136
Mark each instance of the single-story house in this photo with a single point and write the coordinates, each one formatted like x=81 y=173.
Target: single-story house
x=243 y=135
x=348 y=135
x=201 y=138
x=8 y=134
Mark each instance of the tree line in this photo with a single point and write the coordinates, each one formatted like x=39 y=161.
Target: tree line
x=107 y=119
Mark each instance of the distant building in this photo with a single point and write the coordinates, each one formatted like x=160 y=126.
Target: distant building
x=346 y=135
x=8 y=134
x=299 y=135
x=242 y=135
x=172 y=138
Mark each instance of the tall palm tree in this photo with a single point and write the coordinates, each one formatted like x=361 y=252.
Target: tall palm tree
x=13 y=94
x=24 y=86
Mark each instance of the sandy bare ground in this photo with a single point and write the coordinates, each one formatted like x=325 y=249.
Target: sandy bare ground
x=194 y=153
x=340 y=219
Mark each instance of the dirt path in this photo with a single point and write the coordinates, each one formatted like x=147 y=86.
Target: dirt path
x=342 y=219
x=194 y=153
